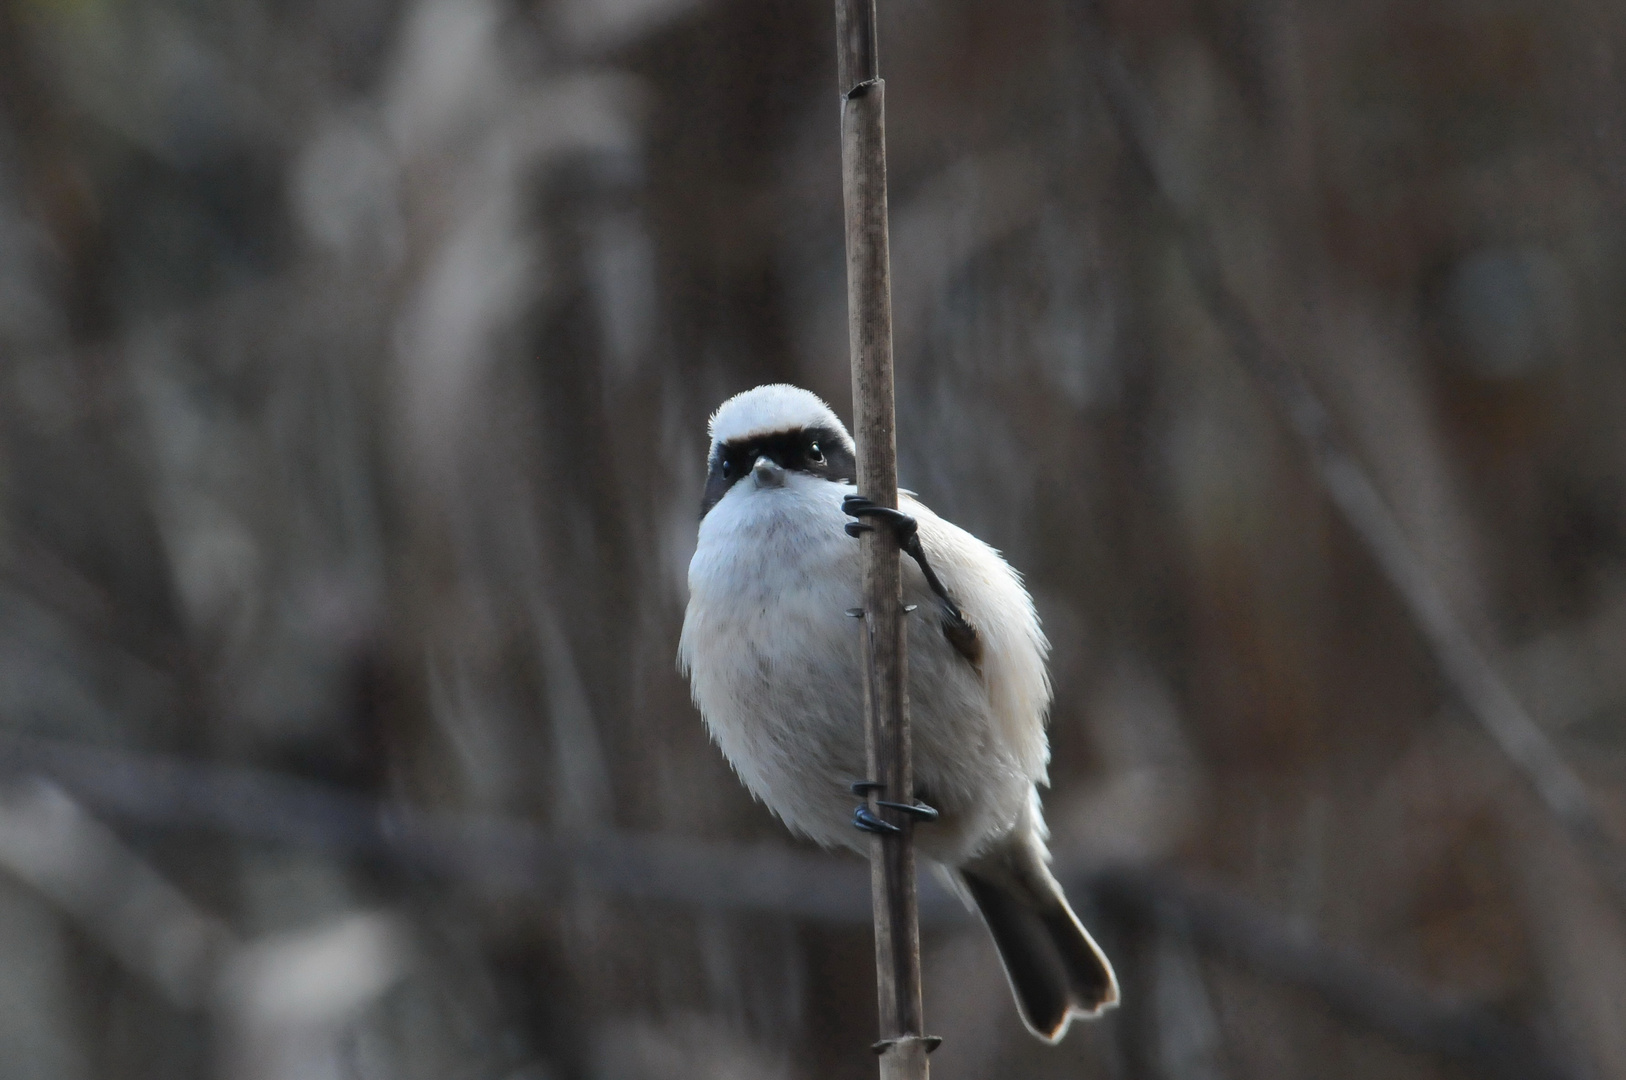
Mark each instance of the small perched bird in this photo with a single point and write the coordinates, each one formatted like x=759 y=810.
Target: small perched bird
x=773 y=661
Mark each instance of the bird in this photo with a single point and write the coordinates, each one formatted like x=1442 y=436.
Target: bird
x=773 y=663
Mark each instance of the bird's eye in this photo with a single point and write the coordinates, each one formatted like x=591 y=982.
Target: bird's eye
x=728 y=468
x=814 y=454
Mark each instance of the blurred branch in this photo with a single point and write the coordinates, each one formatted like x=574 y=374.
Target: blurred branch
x=286 y=999
x=150 y=791
x=502 y=855
x=1471 y=674
x=1351 y=988
x=48 y=841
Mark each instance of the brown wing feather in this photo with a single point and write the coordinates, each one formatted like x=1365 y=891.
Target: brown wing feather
x=964 y=637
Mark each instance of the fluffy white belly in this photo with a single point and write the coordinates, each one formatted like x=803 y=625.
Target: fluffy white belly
x=774 y=665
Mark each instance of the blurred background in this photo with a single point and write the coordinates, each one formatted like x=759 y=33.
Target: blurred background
x=355 y=358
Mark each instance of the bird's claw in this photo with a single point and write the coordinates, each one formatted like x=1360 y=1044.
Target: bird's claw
x=903 y=526
x=917 y=810
x=907 y=530
x=864 y=818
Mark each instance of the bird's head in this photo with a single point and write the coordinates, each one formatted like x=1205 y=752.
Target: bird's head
x=761 y=435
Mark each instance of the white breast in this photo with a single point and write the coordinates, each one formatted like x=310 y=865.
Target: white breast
x=773 y=662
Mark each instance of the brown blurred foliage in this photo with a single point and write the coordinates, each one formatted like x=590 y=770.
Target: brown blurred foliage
x=355 y=358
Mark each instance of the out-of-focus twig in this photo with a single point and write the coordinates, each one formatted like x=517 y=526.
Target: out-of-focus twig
x=48 y=841
x=1347 y=985
x=286 y=1000
x=150 y=791
x=1470 y=672
x=500 y=855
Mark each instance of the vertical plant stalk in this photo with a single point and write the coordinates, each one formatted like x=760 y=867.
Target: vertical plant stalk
x=902 y=1047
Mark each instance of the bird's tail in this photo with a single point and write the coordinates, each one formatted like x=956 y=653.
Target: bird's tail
x=1055 y=968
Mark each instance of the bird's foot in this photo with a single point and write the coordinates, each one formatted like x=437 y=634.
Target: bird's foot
x=864 y=818
x=907 y=530
x=903 y=526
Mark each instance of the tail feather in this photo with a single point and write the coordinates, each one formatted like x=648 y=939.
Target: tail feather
x=1056 y=970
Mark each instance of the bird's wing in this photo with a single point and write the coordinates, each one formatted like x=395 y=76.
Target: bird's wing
x=1001 y=635
x=963 y=636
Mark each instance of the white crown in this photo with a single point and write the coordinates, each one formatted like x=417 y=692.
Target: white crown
x=770 y=409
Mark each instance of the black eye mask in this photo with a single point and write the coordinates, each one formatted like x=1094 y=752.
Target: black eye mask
x=820 y=452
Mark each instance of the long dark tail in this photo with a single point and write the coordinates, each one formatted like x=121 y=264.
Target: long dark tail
x=1055 y=968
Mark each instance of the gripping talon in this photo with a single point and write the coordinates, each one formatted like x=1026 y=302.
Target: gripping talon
x=918 y=810
x=864 y=818
x=902 y=525
x=907 y=530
